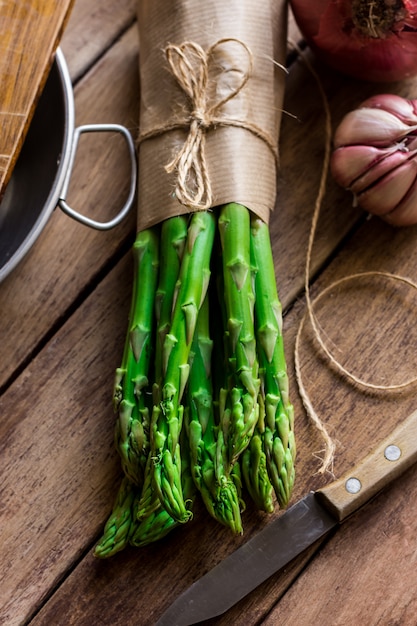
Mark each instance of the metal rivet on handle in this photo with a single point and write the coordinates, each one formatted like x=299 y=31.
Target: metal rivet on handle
x=353 y=485
x=392 y=453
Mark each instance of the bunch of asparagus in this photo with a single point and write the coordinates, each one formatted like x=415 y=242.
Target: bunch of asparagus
x=202 y=392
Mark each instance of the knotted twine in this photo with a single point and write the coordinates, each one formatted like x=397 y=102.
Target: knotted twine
x=330 y=446
x=190 y=64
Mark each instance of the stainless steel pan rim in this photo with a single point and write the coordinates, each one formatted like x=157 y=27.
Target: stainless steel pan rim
x=63 y=138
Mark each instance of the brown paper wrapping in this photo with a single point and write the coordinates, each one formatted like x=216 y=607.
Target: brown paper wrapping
x=241 y=165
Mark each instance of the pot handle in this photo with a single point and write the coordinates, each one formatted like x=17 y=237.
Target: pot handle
x=90 y=128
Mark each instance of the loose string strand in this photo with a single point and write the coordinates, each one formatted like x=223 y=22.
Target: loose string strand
x=329 y=444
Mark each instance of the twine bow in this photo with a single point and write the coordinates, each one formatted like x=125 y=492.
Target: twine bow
x=190 y=64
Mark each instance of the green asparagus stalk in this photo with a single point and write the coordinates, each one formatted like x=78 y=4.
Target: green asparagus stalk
x=238 y=404
x=131 y=380
x=167 y=417
x=216 y=487
x=158 y=523
x=183 y=425
x=254 y=423
x=173 y=236
x=254 y=466
x=118 y=526
x=123 y=527
x=152 y=528
x=254 y=458
x=132 y=429
x=279 y=438
x=148 y=501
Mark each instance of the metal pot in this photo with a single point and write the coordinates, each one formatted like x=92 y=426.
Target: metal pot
x=41 y=176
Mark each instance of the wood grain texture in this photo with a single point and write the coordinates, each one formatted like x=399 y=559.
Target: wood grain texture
x=57 y=460
x=92 y=29
x=64 y=316
x=30 y=34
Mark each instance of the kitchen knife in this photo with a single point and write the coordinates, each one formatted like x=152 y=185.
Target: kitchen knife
x=295 y=530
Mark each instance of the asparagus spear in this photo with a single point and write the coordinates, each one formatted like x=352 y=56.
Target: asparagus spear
x=167 y=417
x=217 y=488
x=131 y=379
x=279 y=438
x=158 y=523
x=238 y=405
x=117 y=528
x=129 y=393
x=254 y=466
x=124 y=527
x=173 y=236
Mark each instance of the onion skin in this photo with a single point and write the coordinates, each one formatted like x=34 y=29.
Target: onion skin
x=339 y=38
x=375 y=157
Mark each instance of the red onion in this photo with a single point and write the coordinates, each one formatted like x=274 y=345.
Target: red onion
x=375 y=157
x=373 y=40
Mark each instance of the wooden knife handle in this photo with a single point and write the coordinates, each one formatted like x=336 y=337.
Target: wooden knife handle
x=388 y=461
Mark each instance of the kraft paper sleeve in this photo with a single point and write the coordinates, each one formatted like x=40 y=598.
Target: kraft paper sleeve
x=246 y=41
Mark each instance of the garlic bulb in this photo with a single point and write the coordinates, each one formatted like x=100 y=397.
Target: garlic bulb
x=375 y=157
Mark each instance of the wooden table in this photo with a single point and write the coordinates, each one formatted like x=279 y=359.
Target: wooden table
x=64 y=315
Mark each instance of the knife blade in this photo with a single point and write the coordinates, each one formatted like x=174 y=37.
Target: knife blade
x=294 y=531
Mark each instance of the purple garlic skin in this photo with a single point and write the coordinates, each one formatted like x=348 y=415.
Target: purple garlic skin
x=375 y=157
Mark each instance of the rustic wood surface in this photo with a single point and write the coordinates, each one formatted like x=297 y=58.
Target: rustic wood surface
x=64 y=315
x=24 y=68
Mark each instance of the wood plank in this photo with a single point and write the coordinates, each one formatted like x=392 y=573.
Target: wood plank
x=92 y=29
x=30 y=34
x=57 y=460
x=32 y=297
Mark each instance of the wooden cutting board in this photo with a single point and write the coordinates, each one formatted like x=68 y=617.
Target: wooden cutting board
x=30 y=31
